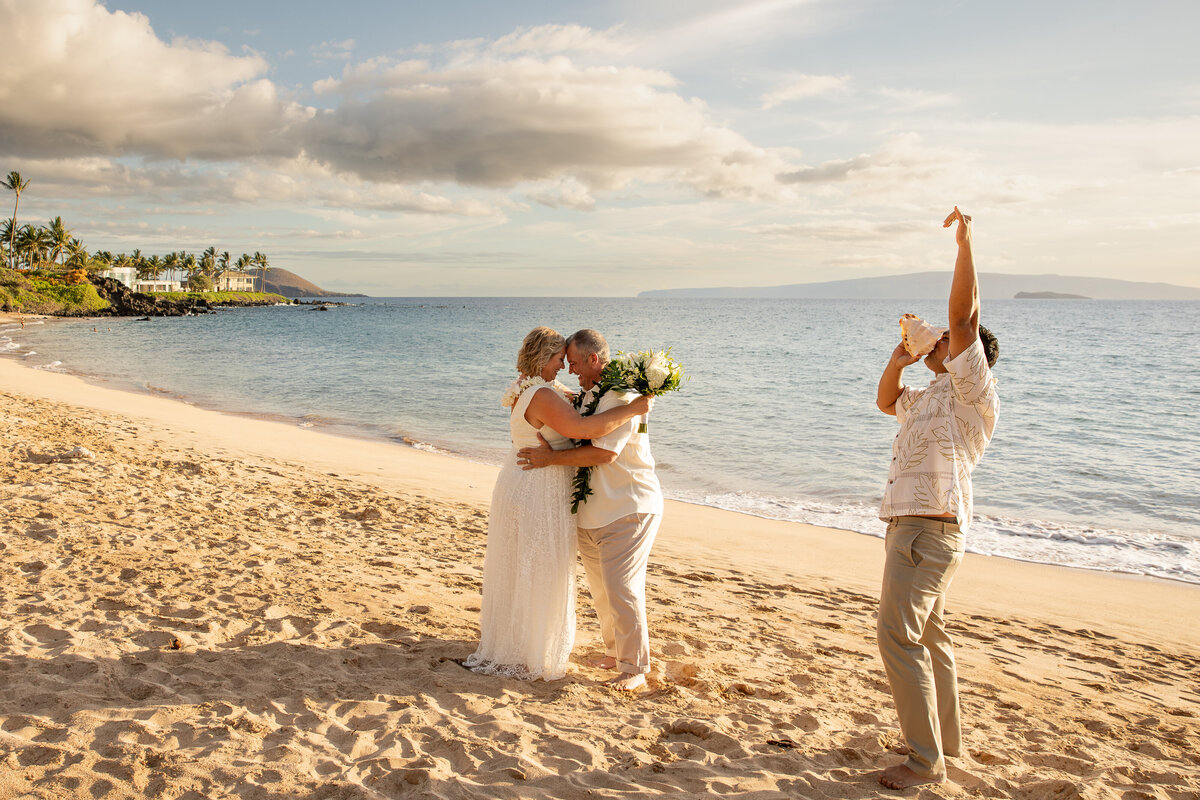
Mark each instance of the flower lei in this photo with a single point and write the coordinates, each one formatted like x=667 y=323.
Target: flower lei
x=581 y=484
x=518 y=387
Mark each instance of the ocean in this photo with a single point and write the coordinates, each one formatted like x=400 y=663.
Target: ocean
x=1095 y=461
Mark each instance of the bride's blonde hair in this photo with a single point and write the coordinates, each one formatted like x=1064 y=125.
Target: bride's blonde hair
x=536 y=350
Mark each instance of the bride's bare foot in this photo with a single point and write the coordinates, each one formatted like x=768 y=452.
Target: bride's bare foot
x=901 y=777
x=602 y=662
x=627 y=682
x=900 y=749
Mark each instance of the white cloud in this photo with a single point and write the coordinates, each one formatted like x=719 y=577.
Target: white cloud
x=801 y=87
x=566 y=193
x=77 y=79
x=552 y=39
x=694 y=30
x=845 y=229
x=484 y=120
x=906 y=100
x=340 y=50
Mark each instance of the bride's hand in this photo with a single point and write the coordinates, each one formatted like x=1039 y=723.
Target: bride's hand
x=642 y=405
x=535 y=457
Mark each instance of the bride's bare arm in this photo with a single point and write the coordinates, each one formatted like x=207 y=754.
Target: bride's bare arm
x=549 y=408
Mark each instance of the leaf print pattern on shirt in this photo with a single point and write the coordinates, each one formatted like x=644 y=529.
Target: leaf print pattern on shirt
x=945 y=441
x=912 y=450
x=971 y=438
x=944 y=431
x=925 y=492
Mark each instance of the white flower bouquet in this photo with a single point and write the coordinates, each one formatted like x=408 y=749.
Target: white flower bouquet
x=644 y=372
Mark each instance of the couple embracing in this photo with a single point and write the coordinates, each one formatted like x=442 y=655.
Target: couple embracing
x=527 y=619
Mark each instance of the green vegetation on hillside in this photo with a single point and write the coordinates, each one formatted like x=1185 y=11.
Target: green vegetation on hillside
x=55 y=248
x=41 y=294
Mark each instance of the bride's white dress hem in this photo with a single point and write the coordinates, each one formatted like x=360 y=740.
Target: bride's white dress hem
x=527 y=618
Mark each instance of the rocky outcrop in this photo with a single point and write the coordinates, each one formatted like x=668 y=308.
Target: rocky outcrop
x=124 y=302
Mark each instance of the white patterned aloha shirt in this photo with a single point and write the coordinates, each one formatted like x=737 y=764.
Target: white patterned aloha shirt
x=944 y=429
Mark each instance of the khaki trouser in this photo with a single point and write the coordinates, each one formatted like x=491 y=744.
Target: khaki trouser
x=918 y=656
x=615 y=558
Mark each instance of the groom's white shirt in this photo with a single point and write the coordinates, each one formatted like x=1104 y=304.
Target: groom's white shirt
x=628 y=485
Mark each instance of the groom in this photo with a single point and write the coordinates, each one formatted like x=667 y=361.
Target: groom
x=617 y=523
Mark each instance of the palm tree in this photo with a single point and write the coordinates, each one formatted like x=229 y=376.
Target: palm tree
x=25 y=246
x=260 y=259
x=33 y=242
x=208 y=260
x=222 y=266
x=76 y=256
x=14 y=183
x=171 y=263
x=8 y=230
x=60 y=238
x=151 y=268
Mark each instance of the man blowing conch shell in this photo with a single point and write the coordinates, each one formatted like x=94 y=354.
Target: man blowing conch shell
x=944 y=429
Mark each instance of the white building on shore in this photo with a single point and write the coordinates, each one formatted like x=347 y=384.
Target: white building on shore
x=233 y=281
x=147 y=286
x=126 y=275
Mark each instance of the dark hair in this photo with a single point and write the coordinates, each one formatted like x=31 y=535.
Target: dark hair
x=991 y=347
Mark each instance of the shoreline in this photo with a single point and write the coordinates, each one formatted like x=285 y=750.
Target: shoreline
x=456 y=479
x=996 y=536
x=212 y=605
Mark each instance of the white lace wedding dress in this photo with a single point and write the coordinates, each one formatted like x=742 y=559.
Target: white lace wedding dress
x=527 y=621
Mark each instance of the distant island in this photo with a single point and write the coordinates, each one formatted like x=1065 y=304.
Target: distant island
x=1048 y=296
x=934 y=285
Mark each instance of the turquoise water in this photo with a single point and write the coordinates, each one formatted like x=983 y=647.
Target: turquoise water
x=1095 y=462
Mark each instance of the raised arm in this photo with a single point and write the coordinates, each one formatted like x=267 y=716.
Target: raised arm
x=964 y=288
x=890 y=383
x=549 y=408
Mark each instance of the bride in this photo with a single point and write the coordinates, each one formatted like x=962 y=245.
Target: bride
x=527 y=620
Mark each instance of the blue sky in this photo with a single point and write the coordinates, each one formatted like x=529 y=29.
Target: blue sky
x=407 y=148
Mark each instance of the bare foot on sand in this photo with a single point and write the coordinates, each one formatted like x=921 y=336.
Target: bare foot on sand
x=602 y=662
x=627 y=682
x=900 y=749
x=901 y=777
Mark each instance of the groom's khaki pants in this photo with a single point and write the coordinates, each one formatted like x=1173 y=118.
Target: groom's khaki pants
x=918 y=656
x=615 y=558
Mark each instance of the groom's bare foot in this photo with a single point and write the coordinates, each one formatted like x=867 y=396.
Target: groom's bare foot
x=900 y=749
x=627 y=682
x=901 y=777
x=602 y=662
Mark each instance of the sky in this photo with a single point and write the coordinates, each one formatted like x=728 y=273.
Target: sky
x=410 y=148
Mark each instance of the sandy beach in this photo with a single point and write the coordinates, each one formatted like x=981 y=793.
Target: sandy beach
x=205 y=605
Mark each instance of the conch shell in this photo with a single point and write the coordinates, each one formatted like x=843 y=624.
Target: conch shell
x=919 y=336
